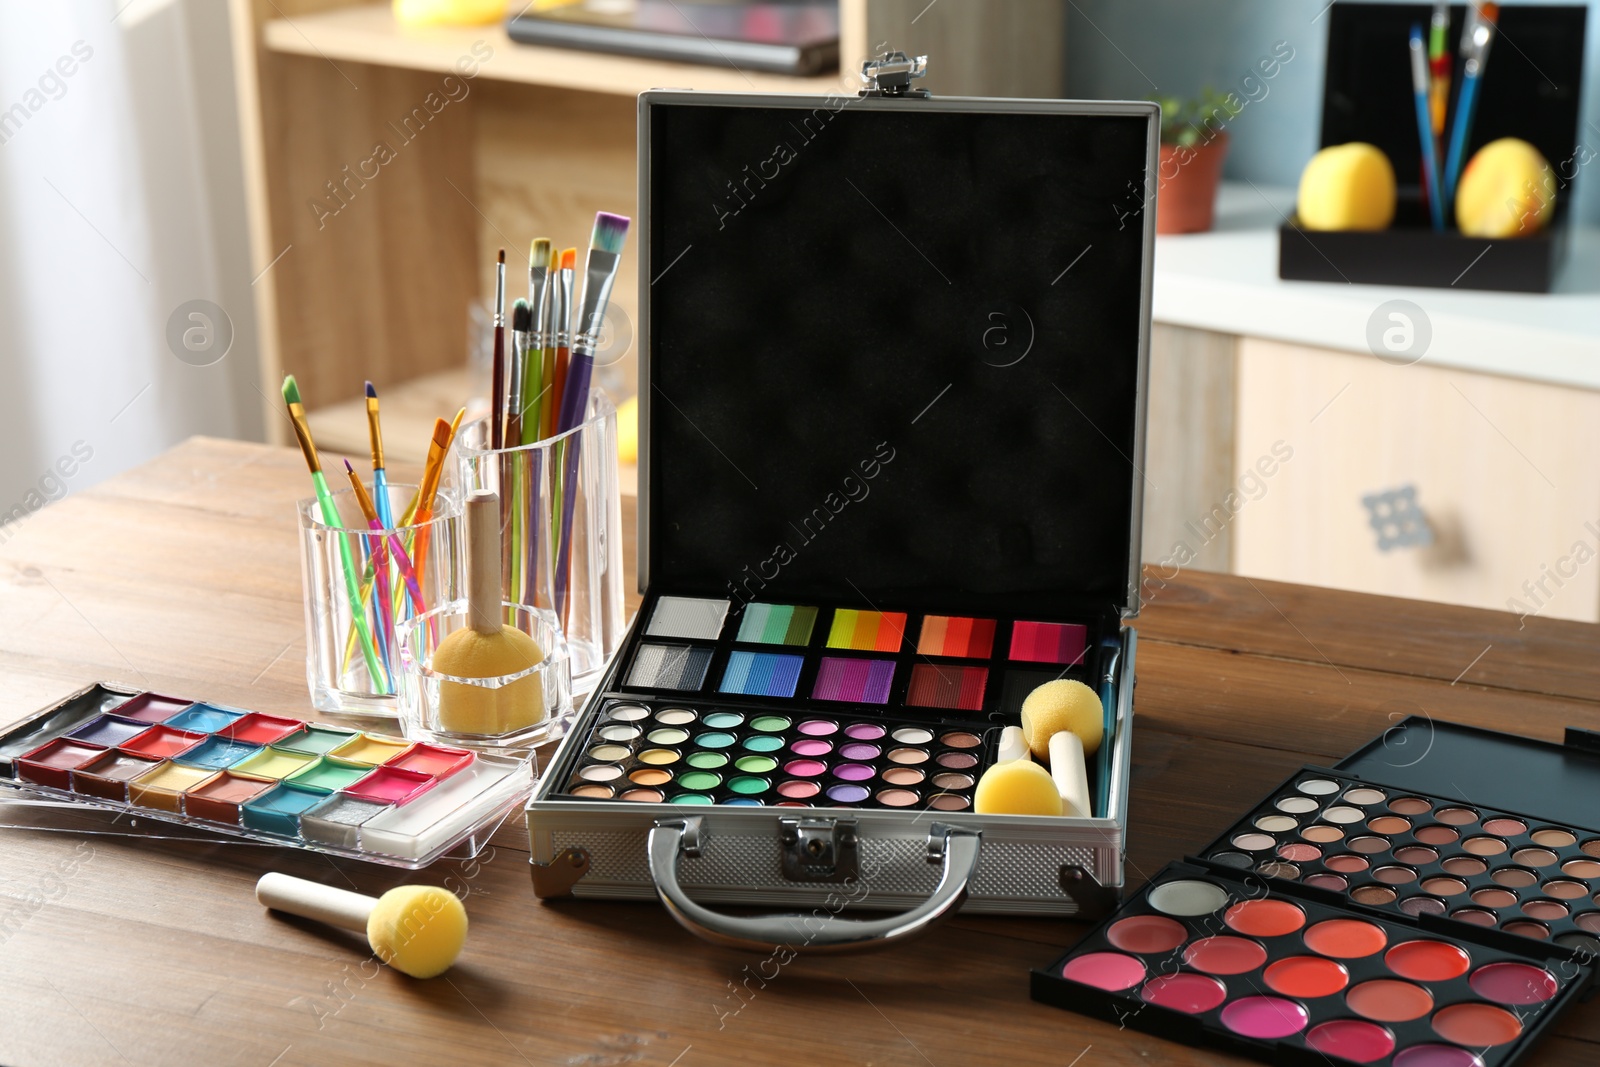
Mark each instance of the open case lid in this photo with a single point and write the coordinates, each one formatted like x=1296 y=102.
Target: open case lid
x=1532 y=84
x=893 y=351
x=1538 y=779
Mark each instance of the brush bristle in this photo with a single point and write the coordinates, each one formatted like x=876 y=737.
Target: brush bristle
x=569 y=259
x=291 y=391
x=609 y=233
x=502 y=257
x=540 y=253
x=372 y=394
x=521 y=316
x=349 y=468
x=441 y=433
x=555 y=259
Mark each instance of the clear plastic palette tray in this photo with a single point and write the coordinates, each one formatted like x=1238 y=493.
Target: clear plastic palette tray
x=265 y=778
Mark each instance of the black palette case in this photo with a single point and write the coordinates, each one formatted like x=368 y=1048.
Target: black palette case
x=893 y=355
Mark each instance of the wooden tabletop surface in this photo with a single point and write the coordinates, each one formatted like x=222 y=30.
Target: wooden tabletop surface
x=183 y=576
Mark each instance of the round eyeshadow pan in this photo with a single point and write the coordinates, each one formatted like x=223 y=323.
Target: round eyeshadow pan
x=1344 y=814
x=1389 y=824
x=864 y=731
x=908 y=755
x=628 y=713
x=659 y=757
x=1254 y=842
x=848 y=794
x=1234 y=859
x=618 y=732
x=1582 y=942
x=650 y=776
x=591 y=790
x=951 y=780
x=959 y=739
x=763 y=743
x=1588 y=920
x=1370 y=845
x=1306 y=976
x=1187 y=897
x=1464 y=866
x=668 y=736
x=1550 y=837
x=691 y=798
x=741 y=802
x=949 y=802
x=804 y=768
x=1373 y=894
x=1456 y=816
x=1111 y=971
x=1345 y=939
x=708 y=761
x=1323 y=880
x=723 y=720
x=643 y=796
x=797 y=790
x=898 y=798
x=1581 y=868
x=1416 y=855
x=1434 y=834
x=1147 y=934
x=1514 y=983
x=1318 y=787
x=754 y=764
x=1421 y=905
x=1395 y=874
x=1299 y=852
x=1436 y=1056
x=1275 y=824
x=912 y=735
x=1484 y=846
x=770 y=724
x=609 y=753
x=1476 y=1025
x=1427 y=961
x=1265 y=1018
x=1224 y=954
x=1265 y=917
x=858 y=750
x=1527 y=928
x=1491 y=897
x=1346 y=863
x=1501 y=826
x=675 y=716
x=811 y=746
x=1545 y=910
x=957 y=761
x=1389 y=1000
x=1515 y=877
x=1296 y=805
x=1535 y=857
x=903 y=776
x=1475 y=916
x=715 y=739
x=748 y=785
x=1322 y=834
x=1351 y=1039
x=1279 y=869
x=853 y=772
x=697 y=780
x=819 y=727
x=1188 y=993
x=1410 y=806
x=1363 y=795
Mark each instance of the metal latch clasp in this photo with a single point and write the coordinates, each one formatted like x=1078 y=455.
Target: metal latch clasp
x=890 y=74
x=819 y=850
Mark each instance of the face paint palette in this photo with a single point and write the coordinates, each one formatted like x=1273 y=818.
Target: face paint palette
x=1222 y=957
x=264 y=777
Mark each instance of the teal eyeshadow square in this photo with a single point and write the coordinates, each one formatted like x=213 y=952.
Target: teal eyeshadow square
x=218 y=753
x=279 y=811
x=204 y=719
x=315 y=740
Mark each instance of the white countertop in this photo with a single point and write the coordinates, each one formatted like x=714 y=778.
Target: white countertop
x=1227 y=281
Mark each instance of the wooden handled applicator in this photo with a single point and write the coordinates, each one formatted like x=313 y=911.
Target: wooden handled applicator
x=1064 y=721
x=417 y=929
x=487 y=647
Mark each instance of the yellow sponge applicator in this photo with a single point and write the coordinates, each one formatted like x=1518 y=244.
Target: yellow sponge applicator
x=1063 y=704
x=1017 y=787
x=416 y=929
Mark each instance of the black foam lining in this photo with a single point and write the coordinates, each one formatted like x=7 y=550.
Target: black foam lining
x=837 y=398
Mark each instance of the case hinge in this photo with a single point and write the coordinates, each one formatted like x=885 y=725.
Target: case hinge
x=556 y=878
x=819 y=850
x=890 y=74
x=1092 y=898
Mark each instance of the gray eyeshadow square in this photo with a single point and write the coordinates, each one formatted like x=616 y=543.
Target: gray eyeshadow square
x=669 y=667
x=678 y=616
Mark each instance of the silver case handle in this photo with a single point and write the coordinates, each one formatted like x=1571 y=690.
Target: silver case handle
x=958 y=848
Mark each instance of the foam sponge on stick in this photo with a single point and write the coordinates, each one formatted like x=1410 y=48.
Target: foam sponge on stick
x=1063 y=704
x=1070 y=771
x=417 y=929
x=1013 y=745
x=487 y=647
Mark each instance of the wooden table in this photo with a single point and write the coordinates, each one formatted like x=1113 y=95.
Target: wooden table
x=182 y=576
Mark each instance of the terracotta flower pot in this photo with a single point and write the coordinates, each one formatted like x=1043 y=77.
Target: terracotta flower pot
x=1186 y=200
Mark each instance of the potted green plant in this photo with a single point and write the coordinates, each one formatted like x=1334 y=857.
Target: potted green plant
x=1194 y=142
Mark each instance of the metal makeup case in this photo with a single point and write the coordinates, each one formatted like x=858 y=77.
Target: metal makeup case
x=966 y=284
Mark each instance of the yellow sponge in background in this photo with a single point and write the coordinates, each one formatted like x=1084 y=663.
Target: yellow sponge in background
x=449 y=12
x=1347 y=187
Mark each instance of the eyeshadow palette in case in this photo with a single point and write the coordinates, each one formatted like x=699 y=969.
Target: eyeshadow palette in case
x=892 y=424
x=263 y=777
x=1221 y=957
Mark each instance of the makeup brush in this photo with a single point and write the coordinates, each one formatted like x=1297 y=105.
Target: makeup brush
x=497 y=387
x=380 y=490
x=487 y=648
x=397 y=551
x=1476 y=37
x=564 y=307
x=511 y=547
x=521 y=332
x=330 y=516
x=380 y=567
x=553 y=322
x=416 y=929
x=540 y=282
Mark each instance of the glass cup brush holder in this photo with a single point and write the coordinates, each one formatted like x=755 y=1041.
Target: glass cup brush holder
x=516 y=710
x=353 y=657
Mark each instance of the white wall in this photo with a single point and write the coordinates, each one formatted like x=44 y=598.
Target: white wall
x=121 y=199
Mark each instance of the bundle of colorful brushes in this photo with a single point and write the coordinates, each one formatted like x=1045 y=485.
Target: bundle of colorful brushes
x=540 y=391
x=384 y=587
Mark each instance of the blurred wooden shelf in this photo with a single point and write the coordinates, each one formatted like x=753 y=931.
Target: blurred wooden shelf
x=369 y=34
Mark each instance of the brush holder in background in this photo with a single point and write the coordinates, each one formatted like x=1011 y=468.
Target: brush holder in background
x=474 y=719
x=337 y=670
x=562 y=530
